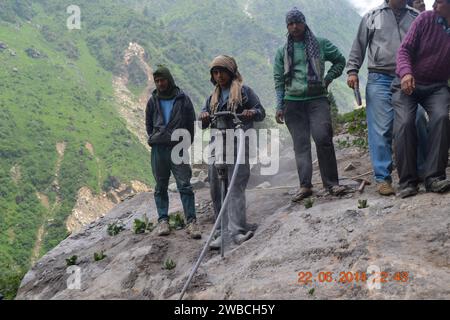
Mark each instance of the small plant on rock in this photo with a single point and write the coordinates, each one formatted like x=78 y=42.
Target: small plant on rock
x=362 y=204
x=99 y=256
x=344 y=143
x=176 y=221
x=115 y=228
x=141 y=226
x=309 y=202
x=169 y=264
x=71 y=261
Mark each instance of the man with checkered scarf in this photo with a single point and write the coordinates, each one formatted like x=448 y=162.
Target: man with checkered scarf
x=301 y=91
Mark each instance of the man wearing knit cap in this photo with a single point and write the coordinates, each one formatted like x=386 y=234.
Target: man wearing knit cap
x=169 y=109
x=423 y=68
x=230 y=94
x=380 y=34
x=301 y=91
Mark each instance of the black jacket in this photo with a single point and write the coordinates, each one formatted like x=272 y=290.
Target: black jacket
x=250 y=101
x=181 y=117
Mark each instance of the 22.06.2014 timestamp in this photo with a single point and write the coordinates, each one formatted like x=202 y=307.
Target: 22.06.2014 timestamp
x=347 y=277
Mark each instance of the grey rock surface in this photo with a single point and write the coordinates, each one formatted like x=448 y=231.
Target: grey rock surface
x=391 y=236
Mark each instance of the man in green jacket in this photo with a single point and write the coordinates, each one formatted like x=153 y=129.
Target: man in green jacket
x=302 y=102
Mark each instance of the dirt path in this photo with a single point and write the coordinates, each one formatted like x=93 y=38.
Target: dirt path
x=43 y=199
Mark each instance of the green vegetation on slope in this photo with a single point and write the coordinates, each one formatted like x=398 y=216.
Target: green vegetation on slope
x=44 y=101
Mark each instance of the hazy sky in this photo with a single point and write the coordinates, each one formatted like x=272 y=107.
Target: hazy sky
x=364 y=5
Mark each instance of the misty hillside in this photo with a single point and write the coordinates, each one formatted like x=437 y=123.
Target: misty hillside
x=61 y=125
x=252 y=30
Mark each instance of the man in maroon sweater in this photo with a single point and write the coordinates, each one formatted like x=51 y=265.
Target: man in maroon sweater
x=423 y=68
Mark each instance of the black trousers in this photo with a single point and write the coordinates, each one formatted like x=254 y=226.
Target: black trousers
x=306 y=118
x=435 y=99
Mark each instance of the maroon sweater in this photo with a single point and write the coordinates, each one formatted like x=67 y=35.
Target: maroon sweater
x=425 y=51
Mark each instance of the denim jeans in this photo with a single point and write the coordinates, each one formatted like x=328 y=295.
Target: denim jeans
x=162 y=165
x=380 y=123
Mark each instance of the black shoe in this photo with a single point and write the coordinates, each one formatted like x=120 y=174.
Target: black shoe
x=409 y=191
x=439 y=186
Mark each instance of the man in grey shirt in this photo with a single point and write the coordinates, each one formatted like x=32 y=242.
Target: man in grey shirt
x=380 y=33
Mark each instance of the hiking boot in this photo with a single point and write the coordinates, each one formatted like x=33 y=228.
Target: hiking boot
x=193 y=230
x=337 y=190
x=163 y=228
x=302 y=194
x=439 y=186
x=408 y=191
x=385 y=189
x=241 y=238
x=216 y=244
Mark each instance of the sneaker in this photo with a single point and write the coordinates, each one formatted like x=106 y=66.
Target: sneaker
x=216 y=244
x=408 y=191
x=385 y=189
x=163 y=228
x=439 y=186
x=240 y=238
x=193 y=230
x=302 y=194
x=337 y=190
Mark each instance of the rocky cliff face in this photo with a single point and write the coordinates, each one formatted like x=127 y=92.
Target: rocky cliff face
x=406 y=241
x=132 y=110
x=90 y=207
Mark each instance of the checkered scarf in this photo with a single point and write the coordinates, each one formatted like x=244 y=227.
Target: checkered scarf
x=312 y=51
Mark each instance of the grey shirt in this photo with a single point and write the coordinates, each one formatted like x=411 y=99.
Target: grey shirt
x=380 y=34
